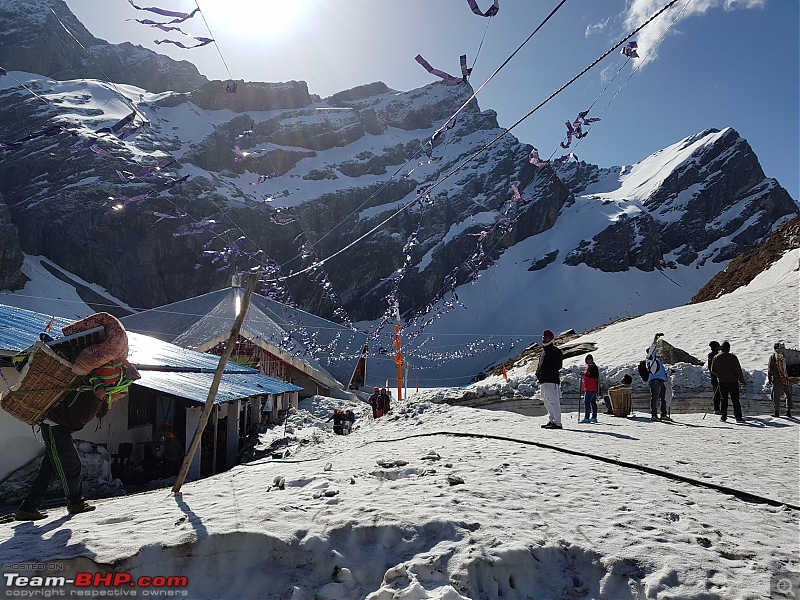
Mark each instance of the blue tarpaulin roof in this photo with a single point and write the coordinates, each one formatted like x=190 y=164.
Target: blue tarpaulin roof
x=172 y=369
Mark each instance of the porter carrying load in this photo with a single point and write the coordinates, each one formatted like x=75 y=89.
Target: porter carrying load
x=91 y=356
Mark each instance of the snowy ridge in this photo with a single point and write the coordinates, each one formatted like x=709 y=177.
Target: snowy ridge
x=644 y=178
x=662 y=220
x=47 y=294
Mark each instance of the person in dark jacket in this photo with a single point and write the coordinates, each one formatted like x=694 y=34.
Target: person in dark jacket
x=657 y=380
x=339 y=419
x=383 y=403
x=547 y=373
x=373 y=401
x=173 y=454
x=60 y=456
x=729 y=374
x=714 y=345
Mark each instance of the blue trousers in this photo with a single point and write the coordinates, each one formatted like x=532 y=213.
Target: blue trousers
x=590 y=403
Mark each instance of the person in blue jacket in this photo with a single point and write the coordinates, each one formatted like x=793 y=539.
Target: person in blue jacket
x=657 y=380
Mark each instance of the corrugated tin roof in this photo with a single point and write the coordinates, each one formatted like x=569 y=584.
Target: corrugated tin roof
x=219 y=320
x=146 y=350
x=20 y=328
x=196 y=321
x=195 y=386
x=342 y=345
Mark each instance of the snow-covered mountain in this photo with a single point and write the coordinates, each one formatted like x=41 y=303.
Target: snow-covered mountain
x=349 y=190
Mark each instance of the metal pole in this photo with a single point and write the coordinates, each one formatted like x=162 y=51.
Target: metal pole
x=212 y=392
x=406 y=380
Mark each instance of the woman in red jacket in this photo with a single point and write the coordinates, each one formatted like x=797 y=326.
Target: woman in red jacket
x=591 y=379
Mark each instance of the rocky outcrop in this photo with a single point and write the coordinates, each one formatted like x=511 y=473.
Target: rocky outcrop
x=33 y=40
x=631 y=242
x=358 y=93
x=439 y=102
x=129 y=255
x=742 y=269
x=141 y=67
x=218 y=95
x=721 y=176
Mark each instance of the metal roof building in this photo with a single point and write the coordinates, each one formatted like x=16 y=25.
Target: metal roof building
x=200 y=323
x=164 y=367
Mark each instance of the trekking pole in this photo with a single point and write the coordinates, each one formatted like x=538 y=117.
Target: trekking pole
x=714 y=395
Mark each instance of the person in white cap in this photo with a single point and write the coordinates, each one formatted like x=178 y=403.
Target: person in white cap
x=547 y=374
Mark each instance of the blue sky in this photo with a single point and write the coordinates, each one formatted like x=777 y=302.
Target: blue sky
x=723 y=63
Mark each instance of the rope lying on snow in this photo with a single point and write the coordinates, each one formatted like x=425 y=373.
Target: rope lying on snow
x=742 y=495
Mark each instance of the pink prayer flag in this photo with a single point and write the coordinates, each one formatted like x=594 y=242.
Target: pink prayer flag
x=447 y=77
x=490 y=12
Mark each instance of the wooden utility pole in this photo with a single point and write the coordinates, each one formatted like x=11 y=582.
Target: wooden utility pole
x=212 y=392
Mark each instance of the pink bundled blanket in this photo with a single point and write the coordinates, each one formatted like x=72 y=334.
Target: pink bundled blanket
x=114 y=347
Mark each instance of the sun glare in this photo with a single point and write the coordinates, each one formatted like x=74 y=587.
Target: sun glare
x=260 y=18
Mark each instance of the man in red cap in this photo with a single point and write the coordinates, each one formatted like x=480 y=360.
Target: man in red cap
x=550 y=364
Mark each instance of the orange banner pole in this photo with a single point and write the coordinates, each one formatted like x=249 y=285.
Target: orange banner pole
x=397 y=347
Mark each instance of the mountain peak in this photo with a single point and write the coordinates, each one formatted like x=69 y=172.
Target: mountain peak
x=33 y=39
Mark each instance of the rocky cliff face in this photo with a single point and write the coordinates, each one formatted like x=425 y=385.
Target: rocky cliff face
x=214 y=95
x=272 y=174
x=34 y=39
x=715 y=190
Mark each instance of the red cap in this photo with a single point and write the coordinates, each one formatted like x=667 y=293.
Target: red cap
x=547 y=336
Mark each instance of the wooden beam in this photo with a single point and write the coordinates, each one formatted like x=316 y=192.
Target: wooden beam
x=212 y=392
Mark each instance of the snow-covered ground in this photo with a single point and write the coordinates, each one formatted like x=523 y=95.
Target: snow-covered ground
x=441 y=502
